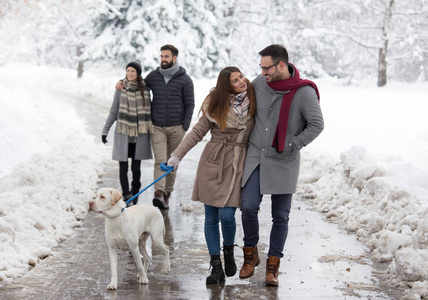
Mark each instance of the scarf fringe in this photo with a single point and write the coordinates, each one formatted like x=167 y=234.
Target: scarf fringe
x=123 y=128
x=133 y=131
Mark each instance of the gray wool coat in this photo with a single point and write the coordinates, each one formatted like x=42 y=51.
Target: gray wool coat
x=279 y=171
x=143 y=148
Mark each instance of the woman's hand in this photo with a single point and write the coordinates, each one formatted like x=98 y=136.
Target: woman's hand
x=174 y=161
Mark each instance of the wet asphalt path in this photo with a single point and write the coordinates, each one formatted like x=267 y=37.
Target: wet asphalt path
x=80 y=267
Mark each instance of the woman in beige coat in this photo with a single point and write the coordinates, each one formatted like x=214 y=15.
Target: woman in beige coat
x=228 y=113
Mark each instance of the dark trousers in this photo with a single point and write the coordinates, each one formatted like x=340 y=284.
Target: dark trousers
x=280 y=211
x=135 y=168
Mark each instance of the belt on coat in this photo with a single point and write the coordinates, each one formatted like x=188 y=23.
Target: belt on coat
x=221 y=151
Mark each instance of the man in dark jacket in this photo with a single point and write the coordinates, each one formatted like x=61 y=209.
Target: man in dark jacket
x=171 y=110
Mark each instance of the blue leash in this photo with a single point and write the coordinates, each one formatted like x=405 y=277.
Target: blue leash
x=164 y=167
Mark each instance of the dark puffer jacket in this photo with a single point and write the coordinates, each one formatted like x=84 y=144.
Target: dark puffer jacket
x=173 y=103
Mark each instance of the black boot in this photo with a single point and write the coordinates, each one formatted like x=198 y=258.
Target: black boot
x=135 y=190
x=229 y=260
x=126 y=197
x=217 y=274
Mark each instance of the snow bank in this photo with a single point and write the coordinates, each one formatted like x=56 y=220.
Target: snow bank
x=49 y=165
x=357 y=195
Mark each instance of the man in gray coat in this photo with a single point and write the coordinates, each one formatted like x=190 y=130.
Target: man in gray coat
x=288 y=118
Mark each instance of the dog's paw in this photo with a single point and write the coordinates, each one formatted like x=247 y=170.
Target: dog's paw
x=166 y=269
x=112 y=286
x=142 y=279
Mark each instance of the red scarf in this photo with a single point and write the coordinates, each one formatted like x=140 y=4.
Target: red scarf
x=290 y=84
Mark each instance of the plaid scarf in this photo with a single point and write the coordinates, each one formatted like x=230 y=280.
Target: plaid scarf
x=240 y=103
x=291 y=84
x=134 y=110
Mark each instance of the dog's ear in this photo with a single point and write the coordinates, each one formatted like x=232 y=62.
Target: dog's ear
x=115 y=196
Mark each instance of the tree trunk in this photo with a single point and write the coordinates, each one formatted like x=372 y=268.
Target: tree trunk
x=381 y=77
x=80 y=62
x=80 y=69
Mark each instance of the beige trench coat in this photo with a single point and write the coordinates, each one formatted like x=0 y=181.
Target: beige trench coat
x=219 y=174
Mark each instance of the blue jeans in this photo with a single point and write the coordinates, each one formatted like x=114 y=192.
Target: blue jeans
x=214 y=215
x=280 y=211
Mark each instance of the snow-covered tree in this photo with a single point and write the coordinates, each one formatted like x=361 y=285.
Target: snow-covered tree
x=386 y=39
x=46 y=32
x=389 y=35
x=138 y=29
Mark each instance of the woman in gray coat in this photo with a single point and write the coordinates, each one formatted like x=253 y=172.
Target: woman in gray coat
x=228 y=113
x=131 y=112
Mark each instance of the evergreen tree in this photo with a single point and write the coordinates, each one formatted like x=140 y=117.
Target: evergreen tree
x=386 y=39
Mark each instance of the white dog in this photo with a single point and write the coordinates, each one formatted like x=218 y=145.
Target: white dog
x=129 y=228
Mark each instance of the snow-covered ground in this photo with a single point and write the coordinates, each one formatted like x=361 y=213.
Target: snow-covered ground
x=368 y=170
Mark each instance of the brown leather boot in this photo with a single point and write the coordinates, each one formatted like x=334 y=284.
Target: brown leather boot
x=166 y=197
x=272 y=271
x=251 y=260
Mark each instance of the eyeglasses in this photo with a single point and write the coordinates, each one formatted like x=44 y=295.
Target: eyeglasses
x=266 y=69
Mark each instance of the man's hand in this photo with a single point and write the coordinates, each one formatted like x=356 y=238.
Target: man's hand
x=119 y=85
x=104 y=139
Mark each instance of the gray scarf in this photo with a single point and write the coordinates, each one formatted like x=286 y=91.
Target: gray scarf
x=134 y=110
x=168 y=73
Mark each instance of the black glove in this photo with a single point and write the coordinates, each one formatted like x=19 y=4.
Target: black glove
x=104 y=139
